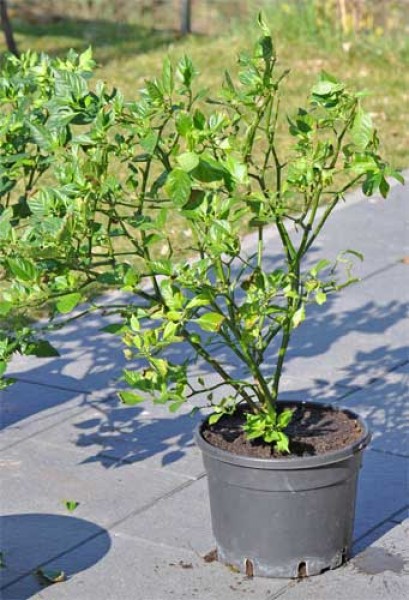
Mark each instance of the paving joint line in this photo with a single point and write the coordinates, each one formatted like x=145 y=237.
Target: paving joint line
x=372 y=381
x=105 y=531
x=53 y=386
x=387 y=267
x=37 y=433
x=284 y=589
x=378 y=525
x=388 y=452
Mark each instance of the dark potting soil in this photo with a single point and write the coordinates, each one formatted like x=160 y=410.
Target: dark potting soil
x=313 y=430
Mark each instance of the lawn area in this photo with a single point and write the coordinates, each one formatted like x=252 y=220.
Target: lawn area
x=128 y=53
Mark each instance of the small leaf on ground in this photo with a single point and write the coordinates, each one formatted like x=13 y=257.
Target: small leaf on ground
x=71 y=505
x=50 y=576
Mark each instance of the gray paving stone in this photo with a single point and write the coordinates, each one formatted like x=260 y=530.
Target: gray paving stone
x=380 y=572
x=137 y=570
x=358 y=336
x=356 y=223
x=115 y=433
x=382 y=490
x=400 y=517
x=30 y=539
x=372 y=537
x=89 y=360
x=385 y=406
x=38 y=477
x=28 y=409
x=183 y=521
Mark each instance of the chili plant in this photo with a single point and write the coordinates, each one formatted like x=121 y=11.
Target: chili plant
x=90 y=181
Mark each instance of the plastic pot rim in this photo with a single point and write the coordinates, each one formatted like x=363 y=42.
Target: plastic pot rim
x=290 y=463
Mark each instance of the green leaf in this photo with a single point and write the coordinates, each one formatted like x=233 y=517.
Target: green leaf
x=85 y=61
x=209 y=170
x=68 y=84
x=3 y=367
x=284 y=418
x=71 y=505
x=398 y=176
x=184 y=124
x=67 y=303
x=131 y=398
x=320 y=297
x=179 y=186
x=298 y=316
x=355 y=253
x=41 y=349
x=210 y=321
x=169 y=331
x=149 y=142
x=362 y=129
x=51 y=576
x=114 y=328
x=282 y=443
x=384 y=187
x=22 y=268
x=161 y=267
x=186 y=71
x=263 y=24
x=320 y=266
x=41 y=136
x=200 y=300
x=161 y=365
x=167 y=76
x=5 y=308
x=188 y=161
x=174 y=406
x=214 y=418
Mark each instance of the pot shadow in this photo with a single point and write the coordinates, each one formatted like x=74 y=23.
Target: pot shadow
x=35 y=540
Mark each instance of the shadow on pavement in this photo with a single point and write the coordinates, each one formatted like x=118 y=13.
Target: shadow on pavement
x=30 y=541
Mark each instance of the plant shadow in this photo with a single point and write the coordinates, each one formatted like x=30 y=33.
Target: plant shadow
x=113 y=435
x=40 y=541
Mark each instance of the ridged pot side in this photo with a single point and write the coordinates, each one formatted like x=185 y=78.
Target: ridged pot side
x=283 y=517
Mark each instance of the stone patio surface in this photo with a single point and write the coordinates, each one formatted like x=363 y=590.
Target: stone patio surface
x=143 y=524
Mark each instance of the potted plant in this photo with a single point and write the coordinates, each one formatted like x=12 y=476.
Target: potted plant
x=93 y=184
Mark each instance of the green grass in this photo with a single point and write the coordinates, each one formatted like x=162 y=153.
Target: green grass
x=128 y=53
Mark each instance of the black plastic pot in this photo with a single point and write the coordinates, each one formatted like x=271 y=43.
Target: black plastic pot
x=285 y=517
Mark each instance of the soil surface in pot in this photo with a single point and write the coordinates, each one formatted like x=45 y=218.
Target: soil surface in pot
x=313 y=430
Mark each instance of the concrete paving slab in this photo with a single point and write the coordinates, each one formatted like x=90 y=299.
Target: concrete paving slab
x=372 y=536
x=31 y=539
x=380 y=572
x=360 y=334
x=385 y=406
x=119 y=434
x=89 y=360
x=27 y=410
x=137 y=570
x=183 y=521
x=38 y=477
x=400 y=517
x=382 y=490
